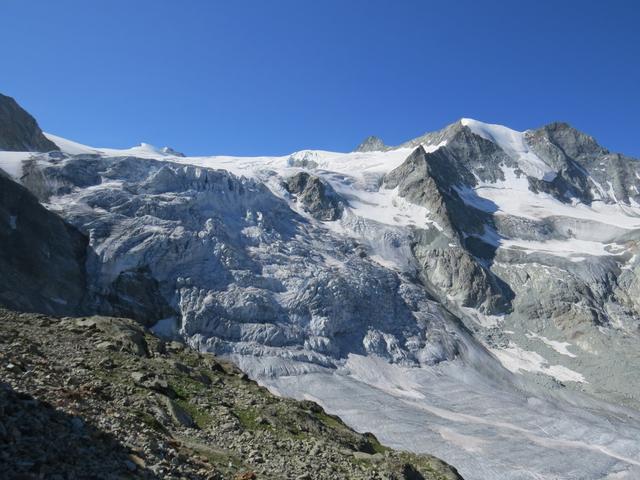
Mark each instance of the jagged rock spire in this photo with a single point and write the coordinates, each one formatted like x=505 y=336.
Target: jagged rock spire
x=371 y=144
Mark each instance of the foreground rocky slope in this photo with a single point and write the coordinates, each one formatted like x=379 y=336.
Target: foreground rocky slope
x=101 y=397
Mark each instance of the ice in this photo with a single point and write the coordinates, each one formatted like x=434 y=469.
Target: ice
x=515 y=359
x=485 y=429
x=513 y=197
x=11 y=163
x=560 y=347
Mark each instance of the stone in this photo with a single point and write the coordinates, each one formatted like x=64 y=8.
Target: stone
x=246 y=476
x=140 y=377
x=19 y=131
x=178 y=414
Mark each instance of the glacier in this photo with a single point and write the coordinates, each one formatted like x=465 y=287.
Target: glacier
x=475 y=297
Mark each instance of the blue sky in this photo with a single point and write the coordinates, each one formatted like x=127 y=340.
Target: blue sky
x=272 y=77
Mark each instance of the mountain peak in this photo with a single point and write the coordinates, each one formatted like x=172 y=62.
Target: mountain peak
x=19 y=131
x=371 y=144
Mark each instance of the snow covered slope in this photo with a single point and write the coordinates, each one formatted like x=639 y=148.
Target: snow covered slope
x=471 y=293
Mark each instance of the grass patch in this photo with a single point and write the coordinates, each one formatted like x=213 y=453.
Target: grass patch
x=248 y=418
x=330 y=421
x=377 y=446
x=200 y=418
x=186 y=387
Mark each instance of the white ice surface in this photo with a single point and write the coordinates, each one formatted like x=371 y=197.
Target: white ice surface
x=515 y=359
x=11 y=163
x=468 y=420
x=560 y=347
x=513 y=197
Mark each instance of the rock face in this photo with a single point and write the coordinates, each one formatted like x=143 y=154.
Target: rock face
x=555 y=161
x=317 y=197
x=452 y=259
x=19 y=132
x=88 y=382
x=42 y=258
x=371 y=144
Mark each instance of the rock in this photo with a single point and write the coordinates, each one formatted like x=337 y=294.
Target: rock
x=181 y=367
x=376 y=457
x=246 y=476
x=106 y=363
x=19 y=131
x=160 y=385
x=14 y=368
x=77 y=424
x=135 y=293
x=202 y=378
x=123 y=335
x=317 y=197
x=131 y=466
x=106 y=345
x=40 y=252
x=140 y=377
x=174 y=346
x=178 y=414
x=371 y=144
x=139 y=462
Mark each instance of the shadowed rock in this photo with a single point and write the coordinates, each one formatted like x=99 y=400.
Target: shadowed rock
x=40 y=253
x=19 y=132
x=317 y=197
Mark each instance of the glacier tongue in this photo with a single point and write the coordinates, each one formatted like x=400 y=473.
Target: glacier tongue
x=485 y=428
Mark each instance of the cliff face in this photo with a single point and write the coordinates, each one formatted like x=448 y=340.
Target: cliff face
x=42 y=258
x=19 y=131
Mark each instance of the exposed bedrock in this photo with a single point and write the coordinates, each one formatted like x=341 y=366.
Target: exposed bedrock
x=317 y=197
x=19 y=131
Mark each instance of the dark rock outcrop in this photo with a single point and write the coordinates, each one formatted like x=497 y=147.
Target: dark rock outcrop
x=19 y=131
x=42 y=258
x=317 y=197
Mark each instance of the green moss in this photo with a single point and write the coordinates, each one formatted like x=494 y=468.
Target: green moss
x=201 y=418
x=377 y=446
x=330 y=421
x=186 y=387
x=248 y=417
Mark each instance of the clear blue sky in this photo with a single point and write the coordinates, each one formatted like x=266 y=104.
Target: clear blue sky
x=275 y=76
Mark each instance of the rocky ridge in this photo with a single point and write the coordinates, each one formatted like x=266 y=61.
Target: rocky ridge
x=19 y=131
